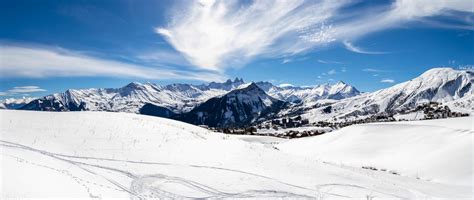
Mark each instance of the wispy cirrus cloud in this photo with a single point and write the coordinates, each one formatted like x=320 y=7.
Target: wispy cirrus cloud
x=22 y=90
x=286 y=85
x=349 y=46
x=40 y=61
x=26 y=89
x=371 y=70
x=403 y=11
x=286 y=60
x=343 y=70
x=331 y=72
x=387 y=80
x=374 y=70
x=329 y=62
x=216 y=34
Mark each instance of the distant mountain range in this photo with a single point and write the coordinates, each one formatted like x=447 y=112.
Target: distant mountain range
x=13 y=103
x=178 y=98
x=236 y=103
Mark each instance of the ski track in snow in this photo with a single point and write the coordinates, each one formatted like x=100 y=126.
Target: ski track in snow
x=144 y=186
x=139 y=183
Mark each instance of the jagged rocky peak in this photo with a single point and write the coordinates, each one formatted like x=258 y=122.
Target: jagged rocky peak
x=265 y=85
x=228 y=85
x=341 y=86
x=342 y=83
x=237 y=80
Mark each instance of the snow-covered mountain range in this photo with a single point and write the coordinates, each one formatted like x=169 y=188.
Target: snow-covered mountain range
x=178 y=98
x=235 y=102
x=130 y=98
x=15 y=103
x=310 y=95
x=444 y=85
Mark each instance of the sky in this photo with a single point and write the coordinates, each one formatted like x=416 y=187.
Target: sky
x=54 y=45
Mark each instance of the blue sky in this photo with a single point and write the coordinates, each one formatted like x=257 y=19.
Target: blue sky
x=50 y=46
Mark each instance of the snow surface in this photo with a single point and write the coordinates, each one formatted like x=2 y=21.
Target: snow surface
x=283 y=130
x=435 y=150
x=129 y=156
x=419 y=115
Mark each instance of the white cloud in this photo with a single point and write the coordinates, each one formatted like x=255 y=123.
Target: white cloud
x=329 y=62
x=402 y=11
x=349 y=46
x=332 y=72
x=286 y=85
x=38 y=62
x=387 y=81
x=26 y=89
x=374 y=70
x=343 y=70
x=423 y=8
x=23 y=90
x=286 y=60
x=216 y=34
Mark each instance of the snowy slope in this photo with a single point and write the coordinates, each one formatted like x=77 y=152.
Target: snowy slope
x=435 y=150
x=442 y=85
x=129 y=156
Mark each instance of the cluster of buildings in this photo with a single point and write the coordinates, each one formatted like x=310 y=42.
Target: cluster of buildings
x=431 y=110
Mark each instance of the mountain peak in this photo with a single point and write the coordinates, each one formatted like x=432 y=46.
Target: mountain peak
x=228 y=85
x=249 y=87
x=439 y=70
x=134 y=85
x=253 y=86
x=237 y=80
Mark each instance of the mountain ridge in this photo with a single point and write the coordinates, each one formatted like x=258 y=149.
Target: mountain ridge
x=441 y=85
x=338 y=101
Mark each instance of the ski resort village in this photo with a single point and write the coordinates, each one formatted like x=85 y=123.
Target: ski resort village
x=237 y=99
